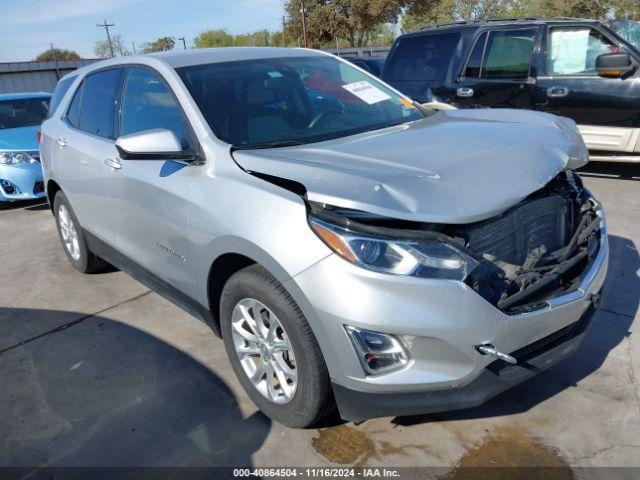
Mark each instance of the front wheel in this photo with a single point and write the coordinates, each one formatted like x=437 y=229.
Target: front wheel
x=273 y=350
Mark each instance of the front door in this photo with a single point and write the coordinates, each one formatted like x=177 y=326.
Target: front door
x=149 y=198
x=498 y=71
x=606 y=109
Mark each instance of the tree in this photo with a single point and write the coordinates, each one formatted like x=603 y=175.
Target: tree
x=101 y=47
x=356 y=21
x=57 y=54
x=214 y=38
x=162 y=44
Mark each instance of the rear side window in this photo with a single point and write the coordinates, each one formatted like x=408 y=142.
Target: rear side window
x=73 y=114
x=508 y=53
x=98 y=102
x=147 y=103
x=58 y=93
x=423 y=58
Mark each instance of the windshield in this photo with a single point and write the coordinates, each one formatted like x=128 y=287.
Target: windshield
x=277 y=101
x=628 y=30
x=23 y=112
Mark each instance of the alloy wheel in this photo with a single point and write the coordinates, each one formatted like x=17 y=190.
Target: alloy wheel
x=264 y=350
x=69 y=232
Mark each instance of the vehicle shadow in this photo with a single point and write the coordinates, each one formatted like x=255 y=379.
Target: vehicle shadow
x=101 y=393
x=31 y=205
x=621 y=171
x=621 y=297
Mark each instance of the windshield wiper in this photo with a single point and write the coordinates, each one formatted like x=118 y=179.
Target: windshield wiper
x=283 y=143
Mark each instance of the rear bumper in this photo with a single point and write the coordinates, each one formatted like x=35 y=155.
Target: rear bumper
x=497 y=377
x=26 y=182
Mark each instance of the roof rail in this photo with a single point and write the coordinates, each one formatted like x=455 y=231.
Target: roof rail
x=498 y=20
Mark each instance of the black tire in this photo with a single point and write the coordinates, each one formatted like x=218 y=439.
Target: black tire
x=313 y=399
x=87 y=261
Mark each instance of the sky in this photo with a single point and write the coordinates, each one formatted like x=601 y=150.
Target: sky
x=29 y=26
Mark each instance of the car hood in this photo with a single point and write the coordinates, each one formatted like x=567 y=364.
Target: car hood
x=456 y=166
x=21 y=139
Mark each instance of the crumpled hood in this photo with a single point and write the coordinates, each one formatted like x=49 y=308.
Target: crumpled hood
x=457 y=166
x=21 y=139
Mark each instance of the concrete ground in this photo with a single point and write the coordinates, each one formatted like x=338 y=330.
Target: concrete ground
x=96 y=370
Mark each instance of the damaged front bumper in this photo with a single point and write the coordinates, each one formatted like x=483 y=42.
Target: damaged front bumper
x=441 y=322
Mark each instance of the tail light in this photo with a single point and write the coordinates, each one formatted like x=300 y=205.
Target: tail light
x=39 y=136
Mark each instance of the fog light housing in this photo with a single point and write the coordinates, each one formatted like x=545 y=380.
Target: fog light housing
x=8 y=187
x=378 y=352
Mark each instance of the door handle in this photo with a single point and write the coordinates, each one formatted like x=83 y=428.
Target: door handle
x=557 y=92
x=61 y=142
x=113 y=163
x=465 y=92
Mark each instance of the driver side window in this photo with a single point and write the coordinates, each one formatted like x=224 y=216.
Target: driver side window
x=573 y=50
x=147 y=103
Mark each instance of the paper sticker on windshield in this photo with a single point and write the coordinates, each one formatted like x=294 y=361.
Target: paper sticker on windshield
x=366 y=92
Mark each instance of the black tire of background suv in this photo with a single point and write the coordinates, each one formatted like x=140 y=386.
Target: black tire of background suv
x=313 y=399
x=88 y=261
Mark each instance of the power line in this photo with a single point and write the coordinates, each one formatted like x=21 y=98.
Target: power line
x=106 y=26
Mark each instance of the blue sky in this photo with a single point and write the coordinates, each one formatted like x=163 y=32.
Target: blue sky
x=29 y=26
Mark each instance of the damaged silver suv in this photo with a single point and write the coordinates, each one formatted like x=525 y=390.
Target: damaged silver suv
x=352 y=248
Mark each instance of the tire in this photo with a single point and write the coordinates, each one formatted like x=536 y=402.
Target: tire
x=311 y=399
x=77 y=251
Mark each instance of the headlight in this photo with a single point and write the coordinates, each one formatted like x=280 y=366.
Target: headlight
x=14 y=158
x=423 y=258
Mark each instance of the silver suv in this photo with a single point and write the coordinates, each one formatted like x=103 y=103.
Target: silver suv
x=352 y=248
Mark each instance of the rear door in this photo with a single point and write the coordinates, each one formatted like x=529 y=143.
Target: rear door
x=150 y=197
x=498 y=72
x=83 y=137
x=607 y=109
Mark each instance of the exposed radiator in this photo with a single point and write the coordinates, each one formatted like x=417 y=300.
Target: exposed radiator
x=507 y=239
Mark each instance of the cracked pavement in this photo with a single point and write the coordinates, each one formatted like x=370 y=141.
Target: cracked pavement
x=98 y=370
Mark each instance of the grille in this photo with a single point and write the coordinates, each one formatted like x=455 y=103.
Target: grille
x=541 y=223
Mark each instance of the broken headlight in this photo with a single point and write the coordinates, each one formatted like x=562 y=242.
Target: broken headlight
x=423 y=258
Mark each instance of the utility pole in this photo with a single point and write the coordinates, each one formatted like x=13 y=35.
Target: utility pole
x=184 y=43
x=304 y=24
x=106 y=26
x=284 y=33
x=55 y=59
x=133 y=45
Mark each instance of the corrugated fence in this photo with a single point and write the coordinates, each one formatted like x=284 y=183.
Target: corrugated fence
x=36 y=76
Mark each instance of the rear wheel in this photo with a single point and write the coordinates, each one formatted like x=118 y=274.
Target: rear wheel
x=273 y=350
x=72 y=238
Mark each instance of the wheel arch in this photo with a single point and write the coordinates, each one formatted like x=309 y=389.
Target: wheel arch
x=52 y=189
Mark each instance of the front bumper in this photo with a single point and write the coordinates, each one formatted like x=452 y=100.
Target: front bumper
x=440 y=322
x=26 y=179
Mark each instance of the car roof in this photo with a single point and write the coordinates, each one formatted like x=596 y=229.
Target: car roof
x=183 y=58
x=22 y=95
x=200 y=56
x=475 y=24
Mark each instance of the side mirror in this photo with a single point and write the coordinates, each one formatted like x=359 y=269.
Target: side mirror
x=156 y=144
x=613 y=65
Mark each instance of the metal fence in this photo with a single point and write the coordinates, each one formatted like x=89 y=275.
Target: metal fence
x=36 y=76
x=360 y=51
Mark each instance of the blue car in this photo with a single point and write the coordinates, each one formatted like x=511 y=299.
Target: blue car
x=20 y=172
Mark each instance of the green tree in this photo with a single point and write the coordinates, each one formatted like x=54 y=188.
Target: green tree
x=162 y=44
x=214 y=38
x=356 y=21
x=101 y=47
x=57 y=54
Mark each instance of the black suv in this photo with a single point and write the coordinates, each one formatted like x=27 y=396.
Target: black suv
x=582 y=69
